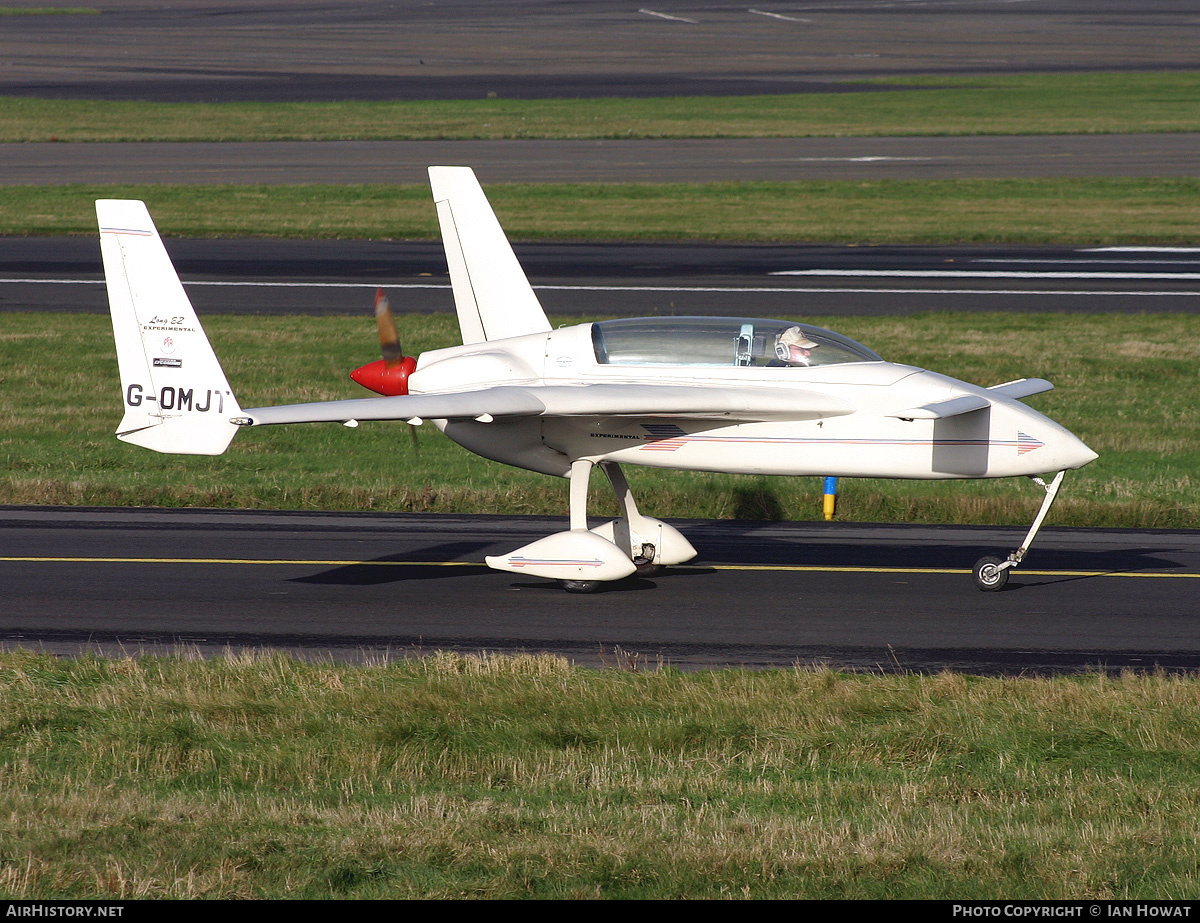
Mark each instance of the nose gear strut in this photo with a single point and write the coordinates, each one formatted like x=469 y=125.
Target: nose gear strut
x=991 y=572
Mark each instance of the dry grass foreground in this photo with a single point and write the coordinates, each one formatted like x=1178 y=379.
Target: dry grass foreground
x=257 y=776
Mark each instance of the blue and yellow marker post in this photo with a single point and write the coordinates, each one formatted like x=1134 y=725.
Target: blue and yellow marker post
x=830 y=497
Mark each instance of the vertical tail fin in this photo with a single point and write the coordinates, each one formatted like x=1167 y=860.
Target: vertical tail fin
x=176 y=397
x=491 y=293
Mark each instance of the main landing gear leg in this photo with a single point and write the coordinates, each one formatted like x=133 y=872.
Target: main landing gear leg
x=651 y=544
x=643 y=553
x=991 y=573
x=581 y=476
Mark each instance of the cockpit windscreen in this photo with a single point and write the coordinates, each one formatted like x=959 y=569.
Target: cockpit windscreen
x=722 y=341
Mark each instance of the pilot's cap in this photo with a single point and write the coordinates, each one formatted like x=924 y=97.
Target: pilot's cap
x=794 y=336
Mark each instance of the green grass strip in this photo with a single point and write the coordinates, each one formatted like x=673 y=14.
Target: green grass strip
x=1125 y=385
x=524 y=777
x=962 y=105
x=48 y=11
x=1058 y=211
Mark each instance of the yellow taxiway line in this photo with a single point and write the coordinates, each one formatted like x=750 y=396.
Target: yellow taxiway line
x=795 y=568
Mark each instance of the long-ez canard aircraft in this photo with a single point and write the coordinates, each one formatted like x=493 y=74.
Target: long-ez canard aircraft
x=734 y=394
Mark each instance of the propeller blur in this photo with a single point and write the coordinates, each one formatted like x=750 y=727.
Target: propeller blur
x=389 y=375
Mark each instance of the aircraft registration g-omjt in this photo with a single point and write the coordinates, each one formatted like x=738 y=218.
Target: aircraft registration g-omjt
x=733 y=394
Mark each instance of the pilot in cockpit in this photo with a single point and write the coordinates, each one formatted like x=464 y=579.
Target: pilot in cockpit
x=792 y=347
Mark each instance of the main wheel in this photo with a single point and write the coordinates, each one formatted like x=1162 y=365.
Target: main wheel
x=989 y=575
x=580 y=586
x=643 y=560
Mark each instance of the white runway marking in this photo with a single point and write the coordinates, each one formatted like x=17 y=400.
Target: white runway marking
x=778 y=16
x=1106 y=262
x=984 y=274
x=876 y=159
x=1141 y=250
x=694 y=22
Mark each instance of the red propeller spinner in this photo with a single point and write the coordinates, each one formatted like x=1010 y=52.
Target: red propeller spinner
x=389 y=375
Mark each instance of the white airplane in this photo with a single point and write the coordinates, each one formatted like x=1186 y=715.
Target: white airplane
x=733 y=394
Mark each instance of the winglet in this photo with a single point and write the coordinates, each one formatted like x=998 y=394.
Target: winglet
x=1022 y=387
x=176 y=397
x=491 y=293
x=940 y=410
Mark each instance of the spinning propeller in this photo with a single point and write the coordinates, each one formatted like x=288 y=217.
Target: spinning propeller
x=389 y=375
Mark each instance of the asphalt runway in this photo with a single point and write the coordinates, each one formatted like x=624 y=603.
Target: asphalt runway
x=63 y=275
x=362 y=586
x=603 y=161
x=225 y=50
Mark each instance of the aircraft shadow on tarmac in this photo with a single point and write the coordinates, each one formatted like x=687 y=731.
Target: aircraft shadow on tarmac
x=370 y=573
x=950 y=556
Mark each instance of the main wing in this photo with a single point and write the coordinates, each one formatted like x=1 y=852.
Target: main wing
x=737 y=404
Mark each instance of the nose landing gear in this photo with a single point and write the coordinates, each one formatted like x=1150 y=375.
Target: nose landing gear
x=991 y=572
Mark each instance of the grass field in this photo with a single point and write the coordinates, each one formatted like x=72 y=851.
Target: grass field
x=498 y=777
x=1040 y=211
x=978 y=104
x=1126 y=386
x=48 y=11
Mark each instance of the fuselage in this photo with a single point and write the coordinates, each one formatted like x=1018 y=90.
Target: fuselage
x=1005 y=438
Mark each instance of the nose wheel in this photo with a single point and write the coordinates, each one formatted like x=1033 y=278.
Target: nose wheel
x=991 y=572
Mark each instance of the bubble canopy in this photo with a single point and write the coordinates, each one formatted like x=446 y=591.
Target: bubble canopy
x=722 y=342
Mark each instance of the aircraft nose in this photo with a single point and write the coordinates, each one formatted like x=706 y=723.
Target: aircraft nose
x=1074 y=453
